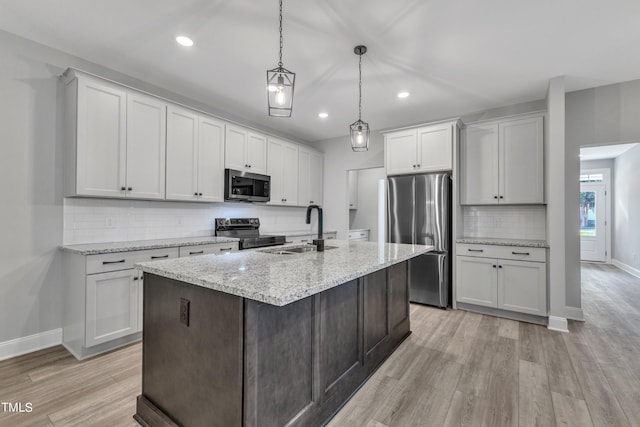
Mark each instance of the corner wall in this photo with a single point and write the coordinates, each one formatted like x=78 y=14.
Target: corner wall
x=338 y=159
x=626 y=226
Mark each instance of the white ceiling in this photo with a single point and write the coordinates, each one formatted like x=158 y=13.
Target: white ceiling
x=604 y=152
x=455 y=57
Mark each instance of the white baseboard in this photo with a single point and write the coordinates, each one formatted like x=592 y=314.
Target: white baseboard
x=31 y=343
x=574 y=313
x=559 y=324
x=624 y=267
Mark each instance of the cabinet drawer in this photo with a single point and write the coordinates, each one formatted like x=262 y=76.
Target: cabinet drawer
x=503 y=252
x=359 y=235
x=103 y=263
x=300 y=239
x=214 y=248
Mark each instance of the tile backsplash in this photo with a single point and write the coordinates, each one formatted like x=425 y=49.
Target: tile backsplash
x=505 y=222
x=111 y=220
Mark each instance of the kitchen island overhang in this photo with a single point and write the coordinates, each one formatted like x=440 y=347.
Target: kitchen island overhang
x=272 y=339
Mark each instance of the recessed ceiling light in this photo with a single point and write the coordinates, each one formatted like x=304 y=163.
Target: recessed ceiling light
x=403 y=94
x=184 y=41
x=323 y=115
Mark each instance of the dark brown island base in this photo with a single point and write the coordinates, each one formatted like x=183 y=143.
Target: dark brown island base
x=215 y=359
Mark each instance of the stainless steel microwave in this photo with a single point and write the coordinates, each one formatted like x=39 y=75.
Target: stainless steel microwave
x=246 y=186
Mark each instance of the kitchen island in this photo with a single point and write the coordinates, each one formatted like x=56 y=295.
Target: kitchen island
x=269 y=337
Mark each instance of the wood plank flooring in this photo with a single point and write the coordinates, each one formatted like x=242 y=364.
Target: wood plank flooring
x=457 y=368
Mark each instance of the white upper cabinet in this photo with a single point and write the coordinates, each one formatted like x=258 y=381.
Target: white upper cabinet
x=420 y=150
x=115 y=140
x=282 y=167
x=146 y=144
x=502 y=162
x=245 y=151
x=195 y=156
x=310 y=176
x=95 y=116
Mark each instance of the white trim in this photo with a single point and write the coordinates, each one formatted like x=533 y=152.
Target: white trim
x=31 y=343
x=625 y=267
x=574 y=313
x=559 y=324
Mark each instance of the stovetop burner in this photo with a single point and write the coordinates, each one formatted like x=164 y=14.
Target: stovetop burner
x=248 y=231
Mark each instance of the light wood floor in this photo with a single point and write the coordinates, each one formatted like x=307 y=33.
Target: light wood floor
x=457 y=368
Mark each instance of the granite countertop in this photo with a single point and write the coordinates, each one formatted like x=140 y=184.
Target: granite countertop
x=504 y=242
x=137 y=245
x=283 y=279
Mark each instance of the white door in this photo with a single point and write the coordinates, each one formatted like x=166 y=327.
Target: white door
x=112 y=306
x=182 y=152
x=477 y=281
x=435 y=149
x=257 y=153
x=146 y=147
x=522 y=286
x=520 y=163
x=235 y=147
x=290 y=174
x=101 y=139
x=401 y=152
x=210 y=160
x=479 y=165
x=593 y=222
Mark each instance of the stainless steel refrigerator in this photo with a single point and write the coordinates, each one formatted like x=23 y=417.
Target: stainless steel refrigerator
x=419 y=212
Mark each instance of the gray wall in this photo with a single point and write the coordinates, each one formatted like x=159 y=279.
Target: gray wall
x=626 y=228
x=366 y=216
x=338 y=159
x=604 y=115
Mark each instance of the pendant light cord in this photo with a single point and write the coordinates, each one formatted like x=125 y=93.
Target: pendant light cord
x=280 y=62
x=360 y=88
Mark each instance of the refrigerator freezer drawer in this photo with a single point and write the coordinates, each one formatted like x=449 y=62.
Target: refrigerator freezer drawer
x=429 y=279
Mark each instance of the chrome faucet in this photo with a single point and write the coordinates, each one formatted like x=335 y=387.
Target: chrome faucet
x=319 y=242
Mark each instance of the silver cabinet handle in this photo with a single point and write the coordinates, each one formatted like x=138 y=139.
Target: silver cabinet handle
x=112 y=262
x=304 y=240
x=123 y=188
x=226 y=249
x=196 y=253
x=160 y=256
x=520 y=253
x=475 y=250
x=136 y=278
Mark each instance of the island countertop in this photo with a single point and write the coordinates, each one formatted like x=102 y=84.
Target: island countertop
x=282 y=279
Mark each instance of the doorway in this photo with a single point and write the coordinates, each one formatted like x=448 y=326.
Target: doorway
x=595 y=213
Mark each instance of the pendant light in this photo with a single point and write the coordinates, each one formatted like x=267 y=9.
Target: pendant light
x=280 y=82
x=359 y=130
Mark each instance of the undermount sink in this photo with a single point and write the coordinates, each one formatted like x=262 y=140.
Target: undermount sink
x=298 y=250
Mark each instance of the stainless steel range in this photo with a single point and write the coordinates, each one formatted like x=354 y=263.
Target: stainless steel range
x=248 y=231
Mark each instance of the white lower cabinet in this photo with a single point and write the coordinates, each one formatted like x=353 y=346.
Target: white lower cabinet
x=362 y=235
x=103 y=295
x=112 y=306
x=507 y=284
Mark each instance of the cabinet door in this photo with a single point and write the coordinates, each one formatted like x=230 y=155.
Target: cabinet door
x=290 y=174
x=210 y=160
x=235 y=147
x=146 y=147
x=435 y=149
x=112 y=306
x=316 y=180
x=479 y=165
x=522 y=286
x=477 y=281
x=274 y=170
x=182 y=154
x=353 y=189
x=304 y=177
x=400 y=152
x=257 y=153
x=521 y=161
x=101 y=139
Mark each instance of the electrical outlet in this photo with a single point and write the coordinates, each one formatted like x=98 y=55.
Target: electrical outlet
x=109 y=222
x=184 y=311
